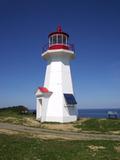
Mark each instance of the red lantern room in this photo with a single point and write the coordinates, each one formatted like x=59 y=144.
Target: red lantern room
x=58 y=39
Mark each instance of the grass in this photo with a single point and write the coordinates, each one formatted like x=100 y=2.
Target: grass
x=11 y=111
x=16 y=147
x=13 y=115
x=23 y=147
x=102 y=125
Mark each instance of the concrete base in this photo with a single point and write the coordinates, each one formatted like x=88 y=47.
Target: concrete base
x=59 y=119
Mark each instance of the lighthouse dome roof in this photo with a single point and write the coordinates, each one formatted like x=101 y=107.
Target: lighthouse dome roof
x=59 y=31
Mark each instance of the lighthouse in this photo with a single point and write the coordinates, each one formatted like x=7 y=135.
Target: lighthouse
x=55 y=100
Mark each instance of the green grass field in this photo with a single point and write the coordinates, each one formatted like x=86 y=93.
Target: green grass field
x=13 y=115
x=23 y=148
x=102 y=125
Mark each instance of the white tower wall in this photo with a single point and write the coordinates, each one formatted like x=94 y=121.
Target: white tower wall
x=58 y=80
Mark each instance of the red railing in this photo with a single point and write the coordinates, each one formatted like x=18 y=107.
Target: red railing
x=58 y=46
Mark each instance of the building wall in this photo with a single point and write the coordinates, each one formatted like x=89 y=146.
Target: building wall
x=59 y=81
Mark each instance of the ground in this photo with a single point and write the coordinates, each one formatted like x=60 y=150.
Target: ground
x=14 y=147
x=22 y=137
x=44 y=133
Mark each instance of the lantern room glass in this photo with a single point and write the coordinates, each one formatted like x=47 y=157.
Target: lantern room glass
x=58 y=39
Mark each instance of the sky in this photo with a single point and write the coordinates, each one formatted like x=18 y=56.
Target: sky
x=94 y=29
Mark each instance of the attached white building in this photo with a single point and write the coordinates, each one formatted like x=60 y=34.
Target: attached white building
x=55 y=100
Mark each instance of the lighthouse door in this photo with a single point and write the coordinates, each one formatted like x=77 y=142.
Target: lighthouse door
x=40 y=100
x=40 y=108
x=40 y=104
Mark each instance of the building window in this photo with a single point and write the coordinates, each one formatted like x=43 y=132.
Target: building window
x=50 y=40
x=64 y=39
x=54 y=39
x=59 y=39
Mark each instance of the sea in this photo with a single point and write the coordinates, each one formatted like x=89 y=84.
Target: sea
x=97 y=113
x=94 y=113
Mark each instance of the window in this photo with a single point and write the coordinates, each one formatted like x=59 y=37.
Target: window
x=50 y=40
x=70 y=99
x=54 y=39
x=64 y=39
x=59 y=38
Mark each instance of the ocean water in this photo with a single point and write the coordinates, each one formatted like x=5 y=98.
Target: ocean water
x=94 y=113
x=97 y=113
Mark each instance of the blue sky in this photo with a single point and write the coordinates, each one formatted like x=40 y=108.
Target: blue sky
x=94 y=29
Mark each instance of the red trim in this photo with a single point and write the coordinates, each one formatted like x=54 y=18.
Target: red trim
x=58 y=46
x=43 y=89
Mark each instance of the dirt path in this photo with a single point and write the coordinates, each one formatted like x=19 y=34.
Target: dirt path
x=52 y=134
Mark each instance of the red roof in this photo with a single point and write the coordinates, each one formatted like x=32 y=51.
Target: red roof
x=43 y=89
x=59 y=31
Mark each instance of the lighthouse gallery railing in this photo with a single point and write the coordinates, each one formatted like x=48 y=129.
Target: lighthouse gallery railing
x=70 y=47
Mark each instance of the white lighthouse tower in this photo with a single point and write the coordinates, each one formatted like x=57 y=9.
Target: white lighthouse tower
x=55 y=101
